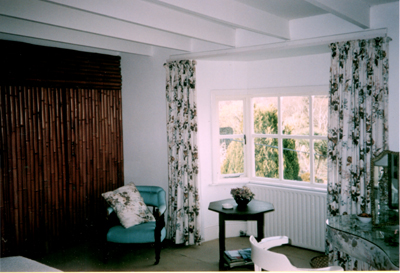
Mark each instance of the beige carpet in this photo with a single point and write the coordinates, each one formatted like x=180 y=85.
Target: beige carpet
x=87 y=257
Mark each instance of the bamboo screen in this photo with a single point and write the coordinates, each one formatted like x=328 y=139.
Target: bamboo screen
x=60 y=149
x=47 y=66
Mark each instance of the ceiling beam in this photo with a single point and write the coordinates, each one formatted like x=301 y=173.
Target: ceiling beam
x=64 y=17
x=235 y=14
x=354 y=11
x=48 y=43
x=155 y=16
x=283 y=49
x=31 y=29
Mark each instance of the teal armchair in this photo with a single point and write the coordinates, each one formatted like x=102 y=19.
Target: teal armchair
x=150 y=232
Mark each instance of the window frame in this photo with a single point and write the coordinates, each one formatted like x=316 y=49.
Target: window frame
x=246 y=95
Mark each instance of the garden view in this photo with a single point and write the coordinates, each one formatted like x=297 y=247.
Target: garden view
x=299 y=132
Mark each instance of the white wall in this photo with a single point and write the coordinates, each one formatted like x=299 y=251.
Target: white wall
x=214 y=75
x=388 y=16
x=295 y=71
x=144 y=118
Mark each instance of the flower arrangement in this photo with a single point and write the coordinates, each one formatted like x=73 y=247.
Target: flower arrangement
x=242 y=194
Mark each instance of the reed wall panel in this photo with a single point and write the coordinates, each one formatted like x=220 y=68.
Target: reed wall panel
x=60 y=149
x=35 y=65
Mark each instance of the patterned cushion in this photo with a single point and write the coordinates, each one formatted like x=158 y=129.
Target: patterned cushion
x=129 y=205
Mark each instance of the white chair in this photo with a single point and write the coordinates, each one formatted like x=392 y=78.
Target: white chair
x=272 y=261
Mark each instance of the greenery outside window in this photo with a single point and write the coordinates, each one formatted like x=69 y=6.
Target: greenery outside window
x=276 y=135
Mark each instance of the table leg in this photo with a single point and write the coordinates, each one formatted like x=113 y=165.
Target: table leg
x=221 y=241
x=260 y=227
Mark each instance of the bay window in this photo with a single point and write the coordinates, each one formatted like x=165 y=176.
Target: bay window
x=274 y=135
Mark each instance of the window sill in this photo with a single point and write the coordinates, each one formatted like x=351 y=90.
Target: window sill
x=230 y=181
x=277 y=184
x=322 y=188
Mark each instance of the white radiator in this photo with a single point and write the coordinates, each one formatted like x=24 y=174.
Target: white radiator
x=299 y=214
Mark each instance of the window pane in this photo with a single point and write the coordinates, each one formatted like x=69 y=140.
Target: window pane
x=321 y=161
x=320 y=115
x=231 y=155
x=265 y=113
x=295 y=115
x=266 y=157
x=230 y=117
x=296 y=159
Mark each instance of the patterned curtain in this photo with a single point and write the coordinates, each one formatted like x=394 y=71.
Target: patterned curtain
x=183 y=225
x=358 y=126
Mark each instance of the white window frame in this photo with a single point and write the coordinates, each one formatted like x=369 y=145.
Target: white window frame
x=249 y=170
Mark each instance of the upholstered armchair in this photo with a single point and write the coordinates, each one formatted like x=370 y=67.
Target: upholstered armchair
x=146 y=232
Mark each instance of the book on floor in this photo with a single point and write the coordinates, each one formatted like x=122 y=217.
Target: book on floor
x=238 y=257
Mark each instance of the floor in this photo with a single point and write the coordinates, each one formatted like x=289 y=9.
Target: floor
x=87 y=256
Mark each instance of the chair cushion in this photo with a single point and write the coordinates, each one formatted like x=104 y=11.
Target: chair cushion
x=143 y=233
x=129 y=205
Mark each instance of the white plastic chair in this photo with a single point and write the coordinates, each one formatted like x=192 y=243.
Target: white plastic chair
x=272 y=261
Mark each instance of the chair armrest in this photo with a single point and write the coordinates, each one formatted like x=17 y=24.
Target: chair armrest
x=154 y=196
x=158 y=212
x=162 y=209
x=109 y=211
x=111 y=218
x=162 y=205
x=271 y=242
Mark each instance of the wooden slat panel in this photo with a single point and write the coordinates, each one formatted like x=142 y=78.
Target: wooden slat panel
x=47 y=66
x=61 y=144
x=45 y=189
x=94 y=139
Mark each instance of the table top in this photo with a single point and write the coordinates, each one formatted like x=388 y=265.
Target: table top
x=385 y=237
x=252 y=208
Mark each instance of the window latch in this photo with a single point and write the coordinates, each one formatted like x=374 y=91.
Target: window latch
x=244 y=139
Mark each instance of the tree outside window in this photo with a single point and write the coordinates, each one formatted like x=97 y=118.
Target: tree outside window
x=287 y=138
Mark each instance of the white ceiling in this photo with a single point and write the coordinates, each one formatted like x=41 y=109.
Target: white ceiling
x=183 y=26
x=295 y=9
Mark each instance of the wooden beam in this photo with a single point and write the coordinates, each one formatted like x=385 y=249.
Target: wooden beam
x=30 y=29
x=64 y=17
x=284 y=49
x=234 y=14
x=155 y=16
x=354 y=11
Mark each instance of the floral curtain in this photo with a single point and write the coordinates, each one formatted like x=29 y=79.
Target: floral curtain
x=358 y=126
x=183 y=225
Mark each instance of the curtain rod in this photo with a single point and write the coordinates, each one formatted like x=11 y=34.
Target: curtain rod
x=276 y=50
